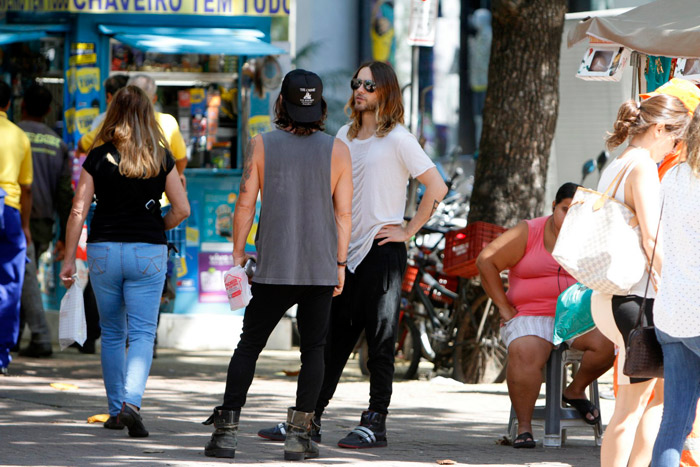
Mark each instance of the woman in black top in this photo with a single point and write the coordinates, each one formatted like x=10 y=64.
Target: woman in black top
x=127 y=169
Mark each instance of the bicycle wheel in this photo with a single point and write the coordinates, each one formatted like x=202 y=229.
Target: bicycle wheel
x=407 y=351
x=480 y=356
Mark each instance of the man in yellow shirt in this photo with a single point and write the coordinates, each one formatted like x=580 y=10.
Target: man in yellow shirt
x=168 y=124
x=15 y=208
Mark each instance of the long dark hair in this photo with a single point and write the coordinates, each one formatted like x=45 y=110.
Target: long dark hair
x=284 y=121
x=389 y=101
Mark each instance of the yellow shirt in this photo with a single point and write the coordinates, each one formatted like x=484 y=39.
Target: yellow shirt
x=170 y=128
x=15 y=160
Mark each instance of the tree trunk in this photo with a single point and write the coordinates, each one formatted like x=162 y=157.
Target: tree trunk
x=520 y=112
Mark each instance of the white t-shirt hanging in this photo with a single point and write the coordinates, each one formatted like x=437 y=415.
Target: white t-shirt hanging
x=381 y=168
x=677 y=305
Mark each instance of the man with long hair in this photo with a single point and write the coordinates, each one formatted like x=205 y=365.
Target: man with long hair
x=384 y=156
x=305 y=178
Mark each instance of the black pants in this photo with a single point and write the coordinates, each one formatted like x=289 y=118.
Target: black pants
x=268 y=305
x=626 y=312
x=370 y=302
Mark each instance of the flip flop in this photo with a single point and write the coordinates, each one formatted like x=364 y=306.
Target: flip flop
x=527 y=441
x=584 y=407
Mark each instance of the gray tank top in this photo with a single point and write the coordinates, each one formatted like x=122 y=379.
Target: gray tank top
x=297 y=241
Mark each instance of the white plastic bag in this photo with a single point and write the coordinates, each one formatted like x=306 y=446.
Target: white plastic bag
x=237 y=288
x=71 y=320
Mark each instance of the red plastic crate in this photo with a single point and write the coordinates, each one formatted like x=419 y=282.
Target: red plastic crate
x=463 y=246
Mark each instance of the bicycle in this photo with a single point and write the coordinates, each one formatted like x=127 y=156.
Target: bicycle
x=440 y=322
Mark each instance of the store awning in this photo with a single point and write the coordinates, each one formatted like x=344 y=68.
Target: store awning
x=664 y=27
x=10 y=33
x=249 y=42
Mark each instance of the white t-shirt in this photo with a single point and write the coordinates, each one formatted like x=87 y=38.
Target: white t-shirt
x=381 y=168
x=677 y=305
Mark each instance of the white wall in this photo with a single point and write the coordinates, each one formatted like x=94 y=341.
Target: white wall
x=587 y=109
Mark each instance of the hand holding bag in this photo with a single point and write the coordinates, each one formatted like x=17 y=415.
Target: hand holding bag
x=71 y=319
x=599 y=243
x=644 y=359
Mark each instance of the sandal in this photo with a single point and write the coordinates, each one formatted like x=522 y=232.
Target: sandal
x=524 y=440
x=584 y=407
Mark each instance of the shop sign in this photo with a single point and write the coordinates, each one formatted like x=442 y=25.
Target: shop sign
x=422 y=23
x=212 y=267
x=184 y=7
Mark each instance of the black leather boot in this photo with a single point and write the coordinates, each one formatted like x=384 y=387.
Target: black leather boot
x=279 y=431
x=223 y=441
x=371 y=433
x=298 y=445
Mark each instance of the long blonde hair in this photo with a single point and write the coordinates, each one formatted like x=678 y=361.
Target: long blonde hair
x=389 y=102
x=692 y=141
x=130 y=124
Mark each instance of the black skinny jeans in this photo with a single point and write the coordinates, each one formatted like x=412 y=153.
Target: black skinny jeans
x=268 y=305
x=370 y=302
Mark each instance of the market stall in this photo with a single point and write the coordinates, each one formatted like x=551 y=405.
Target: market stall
x=662 y=36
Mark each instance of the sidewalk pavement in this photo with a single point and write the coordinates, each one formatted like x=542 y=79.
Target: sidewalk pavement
x=429 y=420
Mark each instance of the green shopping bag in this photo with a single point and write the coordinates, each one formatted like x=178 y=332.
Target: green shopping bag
x=573 y=317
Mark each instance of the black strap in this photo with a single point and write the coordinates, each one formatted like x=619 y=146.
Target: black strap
x=651 y=270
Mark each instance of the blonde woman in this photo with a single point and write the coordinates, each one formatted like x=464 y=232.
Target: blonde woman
x=677 y=308
x=651 y=129
x=127 y=250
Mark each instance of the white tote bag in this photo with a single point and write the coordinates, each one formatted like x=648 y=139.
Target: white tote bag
x=599 y=243
x=71 y=319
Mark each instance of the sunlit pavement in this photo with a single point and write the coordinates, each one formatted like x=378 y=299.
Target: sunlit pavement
x=429 y=420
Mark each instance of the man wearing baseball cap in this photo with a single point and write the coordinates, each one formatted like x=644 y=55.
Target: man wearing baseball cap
x=305 y=178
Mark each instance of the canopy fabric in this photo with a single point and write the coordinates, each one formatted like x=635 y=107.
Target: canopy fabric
x=10 y=33
x=669 y=28
x=249 y=42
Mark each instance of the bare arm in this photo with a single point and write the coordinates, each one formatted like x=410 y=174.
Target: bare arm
x=25 y=201
x=341 y=170
x=79 y=211
x=180 y=206
x=644 y=186
x=244 y=212
x=180 y=165
x=435 y=191
x=499 y=255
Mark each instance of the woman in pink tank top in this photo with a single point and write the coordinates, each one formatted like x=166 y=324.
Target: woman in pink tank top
x=527 y=311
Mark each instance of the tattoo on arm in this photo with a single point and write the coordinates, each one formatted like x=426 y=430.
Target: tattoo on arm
x=247 y=164
x=436 y=203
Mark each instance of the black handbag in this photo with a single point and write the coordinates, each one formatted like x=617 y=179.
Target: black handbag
x=644 y=359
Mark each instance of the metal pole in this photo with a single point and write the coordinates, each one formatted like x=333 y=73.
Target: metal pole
x=412 y=195
x=415 y=88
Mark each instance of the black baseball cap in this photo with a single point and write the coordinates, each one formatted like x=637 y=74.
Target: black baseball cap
x=302 y=94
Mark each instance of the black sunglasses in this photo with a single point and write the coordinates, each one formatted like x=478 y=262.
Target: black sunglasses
x=370 y=86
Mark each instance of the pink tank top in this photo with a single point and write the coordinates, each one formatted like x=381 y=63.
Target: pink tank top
x=536 y=280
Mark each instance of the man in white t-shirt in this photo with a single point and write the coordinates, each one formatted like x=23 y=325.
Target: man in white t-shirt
x=384 y=156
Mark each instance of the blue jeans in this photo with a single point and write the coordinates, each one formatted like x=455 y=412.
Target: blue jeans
x=128 y=281
x=681 y=393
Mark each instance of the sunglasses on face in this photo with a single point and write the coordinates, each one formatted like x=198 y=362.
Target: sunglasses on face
x=370 y=86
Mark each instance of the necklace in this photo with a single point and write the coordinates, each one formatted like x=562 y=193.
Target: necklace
x=630 y=145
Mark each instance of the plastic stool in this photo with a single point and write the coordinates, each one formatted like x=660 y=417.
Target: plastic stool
x=555 y=416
